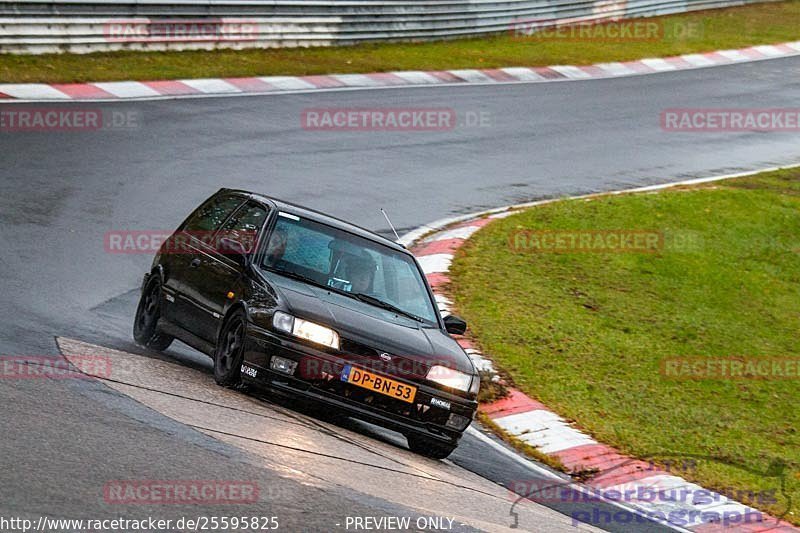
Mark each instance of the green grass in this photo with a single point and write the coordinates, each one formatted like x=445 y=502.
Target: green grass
x=585 y=332
x=705 y=31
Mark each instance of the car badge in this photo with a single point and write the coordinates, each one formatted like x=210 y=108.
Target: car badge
x=438 y=402
x=385 y=356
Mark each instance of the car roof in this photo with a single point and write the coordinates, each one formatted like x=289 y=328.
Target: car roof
x=312 y=214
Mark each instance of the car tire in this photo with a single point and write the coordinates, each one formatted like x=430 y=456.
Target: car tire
x=229 y=352
x=429 y=447
x=145 y=322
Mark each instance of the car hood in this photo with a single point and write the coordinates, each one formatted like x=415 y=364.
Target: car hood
x=362 y=326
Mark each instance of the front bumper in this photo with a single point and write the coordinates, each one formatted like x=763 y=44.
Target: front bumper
x=325 y=386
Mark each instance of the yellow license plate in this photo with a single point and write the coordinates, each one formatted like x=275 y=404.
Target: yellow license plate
x=380 y=384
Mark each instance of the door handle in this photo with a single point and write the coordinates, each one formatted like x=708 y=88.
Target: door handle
x=195 y=263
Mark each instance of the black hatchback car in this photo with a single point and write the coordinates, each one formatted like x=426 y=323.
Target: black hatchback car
x=289 y=299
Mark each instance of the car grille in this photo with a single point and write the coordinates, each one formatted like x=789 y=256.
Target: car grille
x=356 y=348
x=397 y=365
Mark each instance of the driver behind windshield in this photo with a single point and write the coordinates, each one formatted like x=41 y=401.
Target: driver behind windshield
x=360 y=273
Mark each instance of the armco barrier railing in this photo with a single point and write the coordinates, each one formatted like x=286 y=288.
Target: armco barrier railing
x=41 y=26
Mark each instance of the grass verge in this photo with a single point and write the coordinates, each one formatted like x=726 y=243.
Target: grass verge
x=678 y=34
x=586 y=333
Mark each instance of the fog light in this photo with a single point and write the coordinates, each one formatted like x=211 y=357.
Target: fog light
x=281 y=364
x=458 y=422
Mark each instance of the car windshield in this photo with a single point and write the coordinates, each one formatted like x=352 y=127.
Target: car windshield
x=349 y=264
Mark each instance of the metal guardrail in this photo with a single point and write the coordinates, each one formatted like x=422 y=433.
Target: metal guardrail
x=42 y=26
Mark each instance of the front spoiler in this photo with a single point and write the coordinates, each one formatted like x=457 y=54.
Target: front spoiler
x=296 y=388
x=285 y=384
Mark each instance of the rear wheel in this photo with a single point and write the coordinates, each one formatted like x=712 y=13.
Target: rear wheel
x=148 y=311
x=429 y=447
x=229 y=352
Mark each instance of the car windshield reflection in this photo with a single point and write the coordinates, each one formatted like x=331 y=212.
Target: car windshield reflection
x=348 y=264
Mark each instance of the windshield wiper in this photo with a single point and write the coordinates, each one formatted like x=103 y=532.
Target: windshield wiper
x=357 y=295
x=297 y=276
x=307 y=279
x=386 y=305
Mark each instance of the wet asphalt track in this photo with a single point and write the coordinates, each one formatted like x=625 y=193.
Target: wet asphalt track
x=62 y=191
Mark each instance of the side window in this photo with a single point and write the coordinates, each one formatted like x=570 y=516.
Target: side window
x=210 y=216
x=245 y=225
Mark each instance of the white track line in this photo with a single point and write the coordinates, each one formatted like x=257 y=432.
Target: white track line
x=417 y=80
x=412 y=236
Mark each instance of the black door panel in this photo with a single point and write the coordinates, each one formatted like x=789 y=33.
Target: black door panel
x=210 y=281
x=182 y=259
x=215 y=279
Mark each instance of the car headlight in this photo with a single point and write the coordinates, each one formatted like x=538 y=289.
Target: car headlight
x=476 y=385
x=450 y=378
x=305 y=329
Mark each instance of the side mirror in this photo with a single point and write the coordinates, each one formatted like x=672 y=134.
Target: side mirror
x=233 y=249
x=455 y=325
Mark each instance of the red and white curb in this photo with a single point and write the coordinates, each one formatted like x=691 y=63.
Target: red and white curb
x=532 y=422
x=150 y=90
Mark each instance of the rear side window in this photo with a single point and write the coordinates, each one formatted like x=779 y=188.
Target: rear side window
x=245 y=225
x=211 y=215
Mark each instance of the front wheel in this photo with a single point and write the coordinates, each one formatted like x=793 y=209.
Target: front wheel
x=148 y=311
x=229 y=352
x=429 y=447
